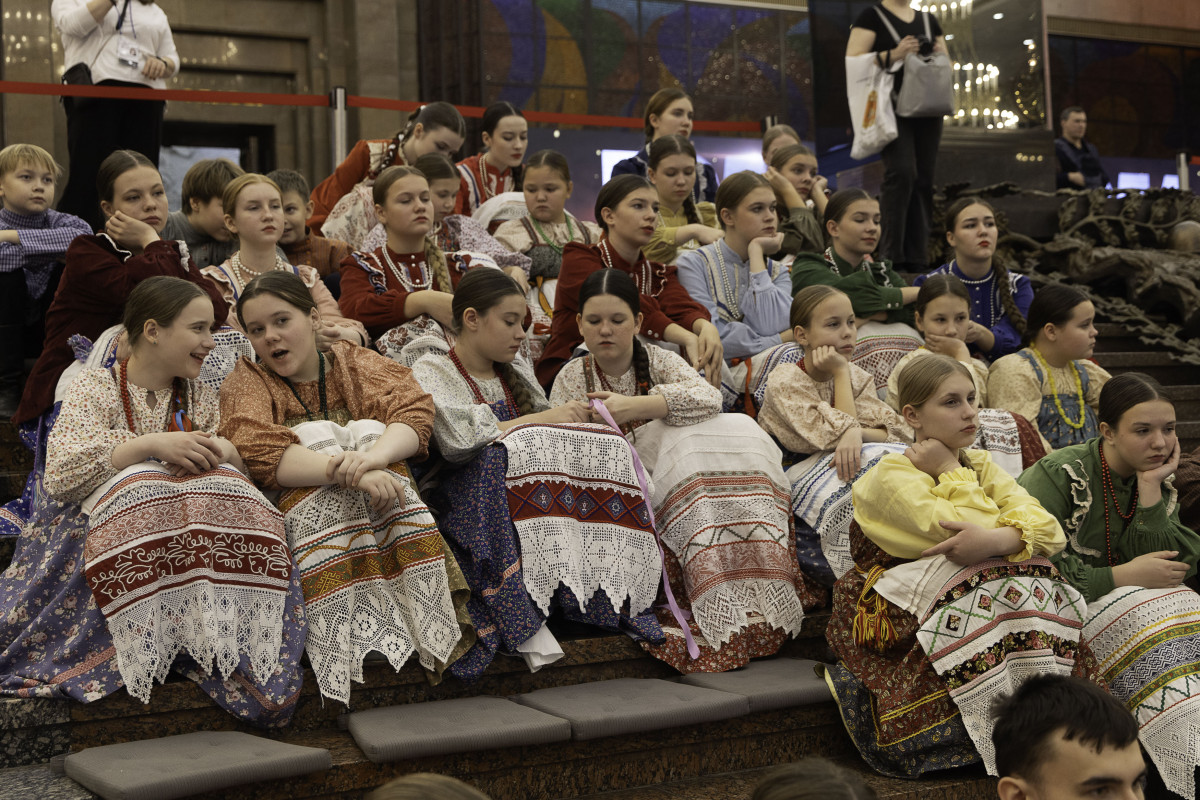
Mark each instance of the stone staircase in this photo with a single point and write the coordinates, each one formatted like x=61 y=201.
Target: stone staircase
x=718 y=759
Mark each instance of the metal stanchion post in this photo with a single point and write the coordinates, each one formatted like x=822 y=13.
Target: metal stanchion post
x=337 y=102
x=1183 y=168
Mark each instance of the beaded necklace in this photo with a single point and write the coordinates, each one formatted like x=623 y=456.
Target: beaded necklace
x=646 y=272
x=244 y=274
x=177 y=416
x=1053 y=391
x=486 y=185
x=731 y=293
x=403 y=276
x=320 y=390
x=558 y=248
x=509 y=400
x=988 y=281
x=1110 y=492
x=866 y=265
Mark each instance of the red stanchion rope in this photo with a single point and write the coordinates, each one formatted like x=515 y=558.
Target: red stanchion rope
x=320 y=100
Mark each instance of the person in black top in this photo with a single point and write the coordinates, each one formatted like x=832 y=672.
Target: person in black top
x=1079 y=164
x=906 y=202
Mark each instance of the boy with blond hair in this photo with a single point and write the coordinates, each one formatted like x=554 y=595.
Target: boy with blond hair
x=33 y=241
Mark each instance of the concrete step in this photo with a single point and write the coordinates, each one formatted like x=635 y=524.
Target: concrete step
x=1160 y=365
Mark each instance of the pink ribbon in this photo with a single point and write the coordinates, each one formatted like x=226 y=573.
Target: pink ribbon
x=692 y=648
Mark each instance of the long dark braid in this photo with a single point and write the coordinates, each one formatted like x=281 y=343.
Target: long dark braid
x=641 y=366
x=522 y=392
x=676 y=145
x=1004 y=286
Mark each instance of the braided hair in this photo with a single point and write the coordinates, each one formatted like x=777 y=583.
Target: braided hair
x=434 y=256
x=620 y=285
x=482 y=289
x=431 y=116
x=999 y=269
x=675 y=145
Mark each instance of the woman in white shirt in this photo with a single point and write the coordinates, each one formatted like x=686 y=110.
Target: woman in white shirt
x=111 y=43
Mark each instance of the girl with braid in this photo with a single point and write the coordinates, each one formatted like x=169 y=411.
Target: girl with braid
x=432 y=128
x=531 y=497
x=720 y=497
x=683 y=223
x=999 y=299
x=404 y=284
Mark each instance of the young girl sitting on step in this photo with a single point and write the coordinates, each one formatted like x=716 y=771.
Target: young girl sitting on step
x=1053 y=382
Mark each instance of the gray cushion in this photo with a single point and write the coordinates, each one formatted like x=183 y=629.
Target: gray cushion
x=777 y=683
x=180 y=766
x=451 y=726
x=632 y=705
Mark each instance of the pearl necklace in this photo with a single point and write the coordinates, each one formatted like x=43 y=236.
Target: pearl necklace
x=244 y=274
x=646 y=272
x=402 y=276
x=988 y=280
x=731 y=293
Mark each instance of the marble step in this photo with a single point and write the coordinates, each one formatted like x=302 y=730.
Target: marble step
x=1158 y=364
x=34 y=730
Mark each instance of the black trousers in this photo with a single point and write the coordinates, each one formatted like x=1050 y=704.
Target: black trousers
x=906 y=201
x=96 y=126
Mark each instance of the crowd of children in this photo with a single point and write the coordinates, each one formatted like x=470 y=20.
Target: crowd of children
x=691 y=420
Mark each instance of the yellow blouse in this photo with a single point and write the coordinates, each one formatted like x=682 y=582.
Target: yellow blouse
x=900 y=508
x=662 y=247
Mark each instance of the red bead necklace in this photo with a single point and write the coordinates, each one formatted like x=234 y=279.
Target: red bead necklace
x=1110 y=492
x=509 y=400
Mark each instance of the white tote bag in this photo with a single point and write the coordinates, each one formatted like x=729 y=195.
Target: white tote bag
x=869 y=90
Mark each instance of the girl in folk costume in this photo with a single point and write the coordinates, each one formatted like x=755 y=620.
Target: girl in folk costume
x=878 y=293
x=626 y=212
x=1053 y=382
x=93 y=598
x=669 y=113
x=825 y=402
x=534 y=504
x=1128 y=554
x=951 y=601
x=432 y=128
x=720 y=496
x=333 y=431
x=543 y=234
x=254 y=215
x=402 y=289
x=498 y=168
x=800 y=194
x=683 y=224
x=999 y=299
x=464 y=241
x=100 y=271
x=942 y=316
x=734 y=278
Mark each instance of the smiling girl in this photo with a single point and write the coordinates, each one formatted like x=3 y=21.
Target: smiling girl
x=942 y=309
x=517 y=511
x=432 y=128
x=941 y=533
x=999 y=299
x=669 y=113
x=136 y=444
x=1053 y=382
x=543 y=234
x=254 y=215
x=102 y=270
x=626 y=210
x=333 y=431
x=733 y=561
x=498 y=168
x=683 y=223
x=1128 y=554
